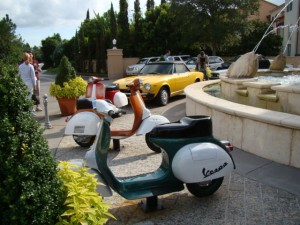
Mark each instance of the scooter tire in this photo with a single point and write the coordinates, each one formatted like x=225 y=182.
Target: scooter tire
x=150 y=145
x=84 y=140
x=203 y=189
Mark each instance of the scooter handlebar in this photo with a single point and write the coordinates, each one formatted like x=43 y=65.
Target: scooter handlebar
x=111 y=113
x=117 y=114
x=96 y=79
x=136 y=84
x=105 y=108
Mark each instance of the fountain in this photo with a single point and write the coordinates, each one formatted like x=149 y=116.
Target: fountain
x=263 y=114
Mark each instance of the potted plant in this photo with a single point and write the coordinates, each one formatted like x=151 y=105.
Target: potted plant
x=67 y=87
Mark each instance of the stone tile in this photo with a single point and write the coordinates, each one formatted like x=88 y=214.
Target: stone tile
x=246 y=162
x=252 y=189
x=278 y=175
x=291 y=222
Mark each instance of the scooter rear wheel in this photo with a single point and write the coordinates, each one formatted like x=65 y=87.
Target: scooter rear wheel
x=203 y=189
x=84 y=140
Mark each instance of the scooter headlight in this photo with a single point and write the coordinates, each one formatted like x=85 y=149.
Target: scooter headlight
x=147 y=86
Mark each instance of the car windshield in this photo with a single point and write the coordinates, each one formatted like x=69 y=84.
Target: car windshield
x=191 y=61
x=185 y=57
x=157 y=68
x=142 y=61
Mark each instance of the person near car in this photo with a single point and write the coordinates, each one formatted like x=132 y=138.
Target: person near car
x=166 y=56
x=202 y=63
x=27 y=74
x=37 y=69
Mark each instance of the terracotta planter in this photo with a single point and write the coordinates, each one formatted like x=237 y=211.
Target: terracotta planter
x=67 y=106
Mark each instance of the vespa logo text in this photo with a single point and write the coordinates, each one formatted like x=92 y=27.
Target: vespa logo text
x=208 y=173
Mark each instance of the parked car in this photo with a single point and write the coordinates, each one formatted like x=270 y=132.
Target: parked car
x=183 y=58
x=227 y=63
x=135 y=69
x=162 y=80
x=263 y=62
x=214 y=62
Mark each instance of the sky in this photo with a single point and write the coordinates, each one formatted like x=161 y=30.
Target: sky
x=36 y=20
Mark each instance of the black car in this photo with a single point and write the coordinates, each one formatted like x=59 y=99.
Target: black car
x=263 y=62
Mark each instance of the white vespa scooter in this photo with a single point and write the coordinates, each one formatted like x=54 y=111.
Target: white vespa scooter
x=84 y=125
x=191 y=157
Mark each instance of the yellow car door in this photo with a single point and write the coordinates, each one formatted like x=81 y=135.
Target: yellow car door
x=182 y=77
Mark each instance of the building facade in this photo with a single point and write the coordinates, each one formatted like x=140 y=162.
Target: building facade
x=285 y=21
x=291 y=38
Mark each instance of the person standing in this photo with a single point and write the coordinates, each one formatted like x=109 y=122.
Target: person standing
x=27 y=74
x=37 y=69
x=202 y=63
x=166 y=56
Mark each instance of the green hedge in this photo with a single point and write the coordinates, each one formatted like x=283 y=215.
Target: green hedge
x=30 y=190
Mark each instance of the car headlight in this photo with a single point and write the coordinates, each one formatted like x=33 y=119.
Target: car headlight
x=147 y=86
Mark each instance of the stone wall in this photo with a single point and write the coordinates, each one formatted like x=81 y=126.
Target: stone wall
x=293 y=60
x=269 y=134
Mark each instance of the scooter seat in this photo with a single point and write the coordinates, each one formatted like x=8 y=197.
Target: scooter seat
x=84 y=103
x=187 y=127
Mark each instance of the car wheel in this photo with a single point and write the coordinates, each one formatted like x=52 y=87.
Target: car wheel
x=203 y=189
x=84 y=140
x=150 y=145
x=162 y=97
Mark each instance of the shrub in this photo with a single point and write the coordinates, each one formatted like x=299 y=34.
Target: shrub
x=83 y=204
x=65 y=71
x=30 y=190
x=67 y=85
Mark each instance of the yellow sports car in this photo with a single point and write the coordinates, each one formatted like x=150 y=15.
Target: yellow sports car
x=162 y=80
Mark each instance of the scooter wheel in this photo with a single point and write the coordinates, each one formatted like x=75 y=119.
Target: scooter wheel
x=203 y=189
x=150 y=145
x=84 y=140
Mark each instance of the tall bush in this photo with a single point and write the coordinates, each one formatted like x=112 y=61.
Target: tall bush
x=65 y=71
x=30 y=190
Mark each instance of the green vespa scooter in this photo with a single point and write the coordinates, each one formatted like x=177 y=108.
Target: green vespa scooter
x=191 y=156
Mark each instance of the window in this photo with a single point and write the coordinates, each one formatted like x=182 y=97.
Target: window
x=180 y=68
x=289 y=50
x=289 y=7
x=153 y=59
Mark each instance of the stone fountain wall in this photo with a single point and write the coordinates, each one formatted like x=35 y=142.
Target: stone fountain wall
x=273 y=96
x=266 y=133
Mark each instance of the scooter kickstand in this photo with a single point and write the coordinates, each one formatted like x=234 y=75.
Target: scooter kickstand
x=116 y=145
x=151 y=204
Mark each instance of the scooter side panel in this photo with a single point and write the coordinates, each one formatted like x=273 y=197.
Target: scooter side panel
x=83 y=123
x=200 y=162
x=149 y=123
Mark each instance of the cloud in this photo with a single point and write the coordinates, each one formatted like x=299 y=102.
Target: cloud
x=37 y=13
x=37 y=19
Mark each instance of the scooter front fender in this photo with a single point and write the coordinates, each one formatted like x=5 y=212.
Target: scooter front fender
x=200 y=162
x=149 y=123
x=83 y=123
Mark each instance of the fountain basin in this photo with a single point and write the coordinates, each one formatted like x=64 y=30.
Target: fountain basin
x=264 y=132
x=266 y=95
